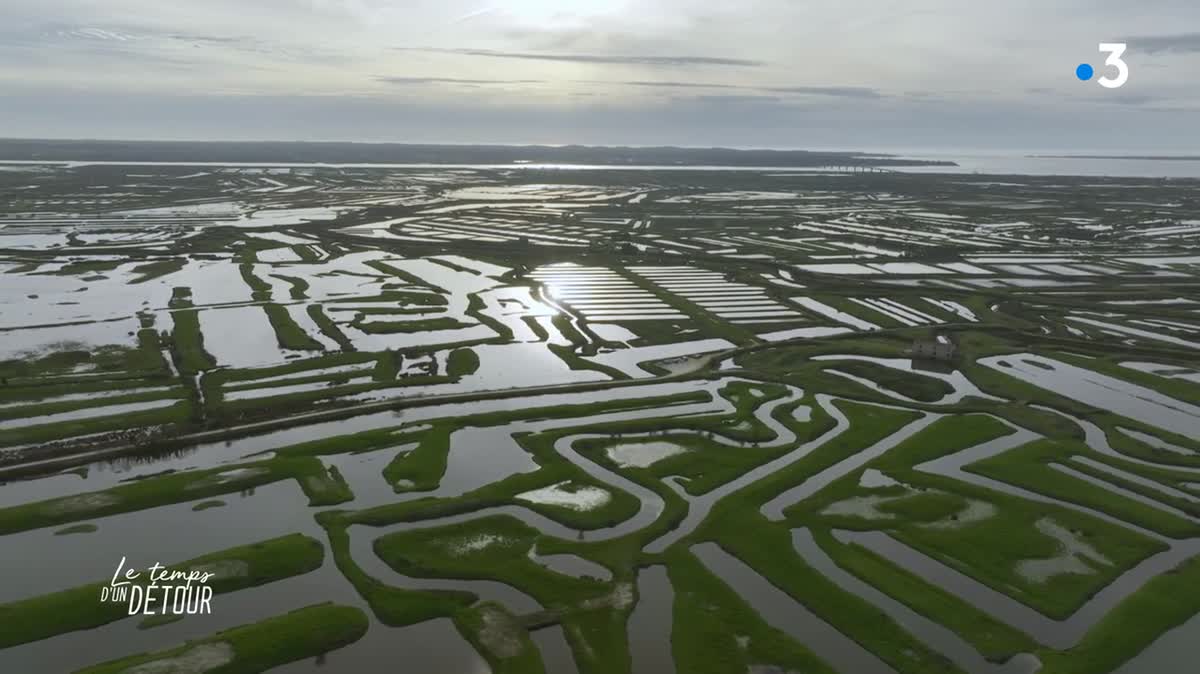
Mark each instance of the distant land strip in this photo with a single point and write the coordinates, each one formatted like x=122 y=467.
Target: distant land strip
x=399 y=153
x=1149 y=157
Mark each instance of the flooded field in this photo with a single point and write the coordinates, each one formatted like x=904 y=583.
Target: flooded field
x=470 y=419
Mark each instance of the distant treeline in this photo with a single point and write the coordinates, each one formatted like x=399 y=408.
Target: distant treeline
x=397 y=153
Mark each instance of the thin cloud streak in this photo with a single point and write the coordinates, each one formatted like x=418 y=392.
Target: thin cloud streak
x=1153 y=44
x=833 y=91
x=448 y=80
x=639 y=60
x=840 y=92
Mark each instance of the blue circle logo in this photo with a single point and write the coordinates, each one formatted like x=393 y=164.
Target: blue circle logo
x=1084 y=72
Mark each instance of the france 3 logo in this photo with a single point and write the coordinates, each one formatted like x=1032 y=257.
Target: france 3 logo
x=1114 y=50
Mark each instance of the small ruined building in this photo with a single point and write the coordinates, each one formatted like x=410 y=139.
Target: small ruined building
x=937 y=348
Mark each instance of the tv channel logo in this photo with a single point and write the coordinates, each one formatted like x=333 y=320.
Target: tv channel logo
x=1085 y=71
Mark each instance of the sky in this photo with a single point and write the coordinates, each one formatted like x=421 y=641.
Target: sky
x=946 y=75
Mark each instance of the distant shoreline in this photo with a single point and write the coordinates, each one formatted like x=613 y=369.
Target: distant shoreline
x=1132 y=157
x=503 y=156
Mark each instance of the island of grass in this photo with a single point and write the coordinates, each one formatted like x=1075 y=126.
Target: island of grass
x=87 y=528
x=462 y=362
x=249 y=649
x=234 y=569
x=912 y=385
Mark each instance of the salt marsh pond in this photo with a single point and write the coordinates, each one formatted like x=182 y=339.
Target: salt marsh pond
x=476 y=419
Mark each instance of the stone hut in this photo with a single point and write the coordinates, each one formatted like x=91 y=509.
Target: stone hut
x=940 y=348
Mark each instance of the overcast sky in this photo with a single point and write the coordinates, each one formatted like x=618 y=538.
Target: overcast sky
x=821 y=74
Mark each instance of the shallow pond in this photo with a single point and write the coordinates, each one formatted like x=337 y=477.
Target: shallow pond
x=571 y=565
x=1169 y=371
x=643 y=454
x=803 y=333
x=1099 y=390
x=651 y=621
x=37 y=562
x=241 y=337
x=827 y=311
x=627 y=360
x=1157 y=442
x=26 y=342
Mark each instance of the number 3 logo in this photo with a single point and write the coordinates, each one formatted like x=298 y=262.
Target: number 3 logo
x=1114 y=51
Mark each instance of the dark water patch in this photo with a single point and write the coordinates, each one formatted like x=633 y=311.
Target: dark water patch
x=651 y=621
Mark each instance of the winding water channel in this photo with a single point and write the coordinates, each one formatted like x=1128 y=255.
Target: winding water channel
x=41 y=562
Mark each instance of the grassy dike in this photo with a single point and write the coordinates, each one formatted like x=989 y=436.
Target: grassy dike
x=301 y=634
x=995 y=640
x=80 y=608
x=321 y=486
x=329 y=327
x=490 y=548
x=708 y=619
x=1029 y=467
x=393 y=606
x=115 y=396
x=768 y=549
x=989 y=549
x=498 y=635
x=736 y=524
x=288 y=332
x=462 y=362
x=187 y=340
x=909 y=384
x=178 y=415
x=422 y=468
x=1164 y=603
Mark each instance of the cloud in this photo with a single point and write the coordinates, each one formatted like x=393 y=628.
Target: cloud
x=447 y=80
x=839 y=92
x=727 y=98
x=127 y=35
x=474 y=15
x=833 y=91
x=163 y=45
x=1153 y=44
x=1131 y=99
x=678 y=85
x=640 y=60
